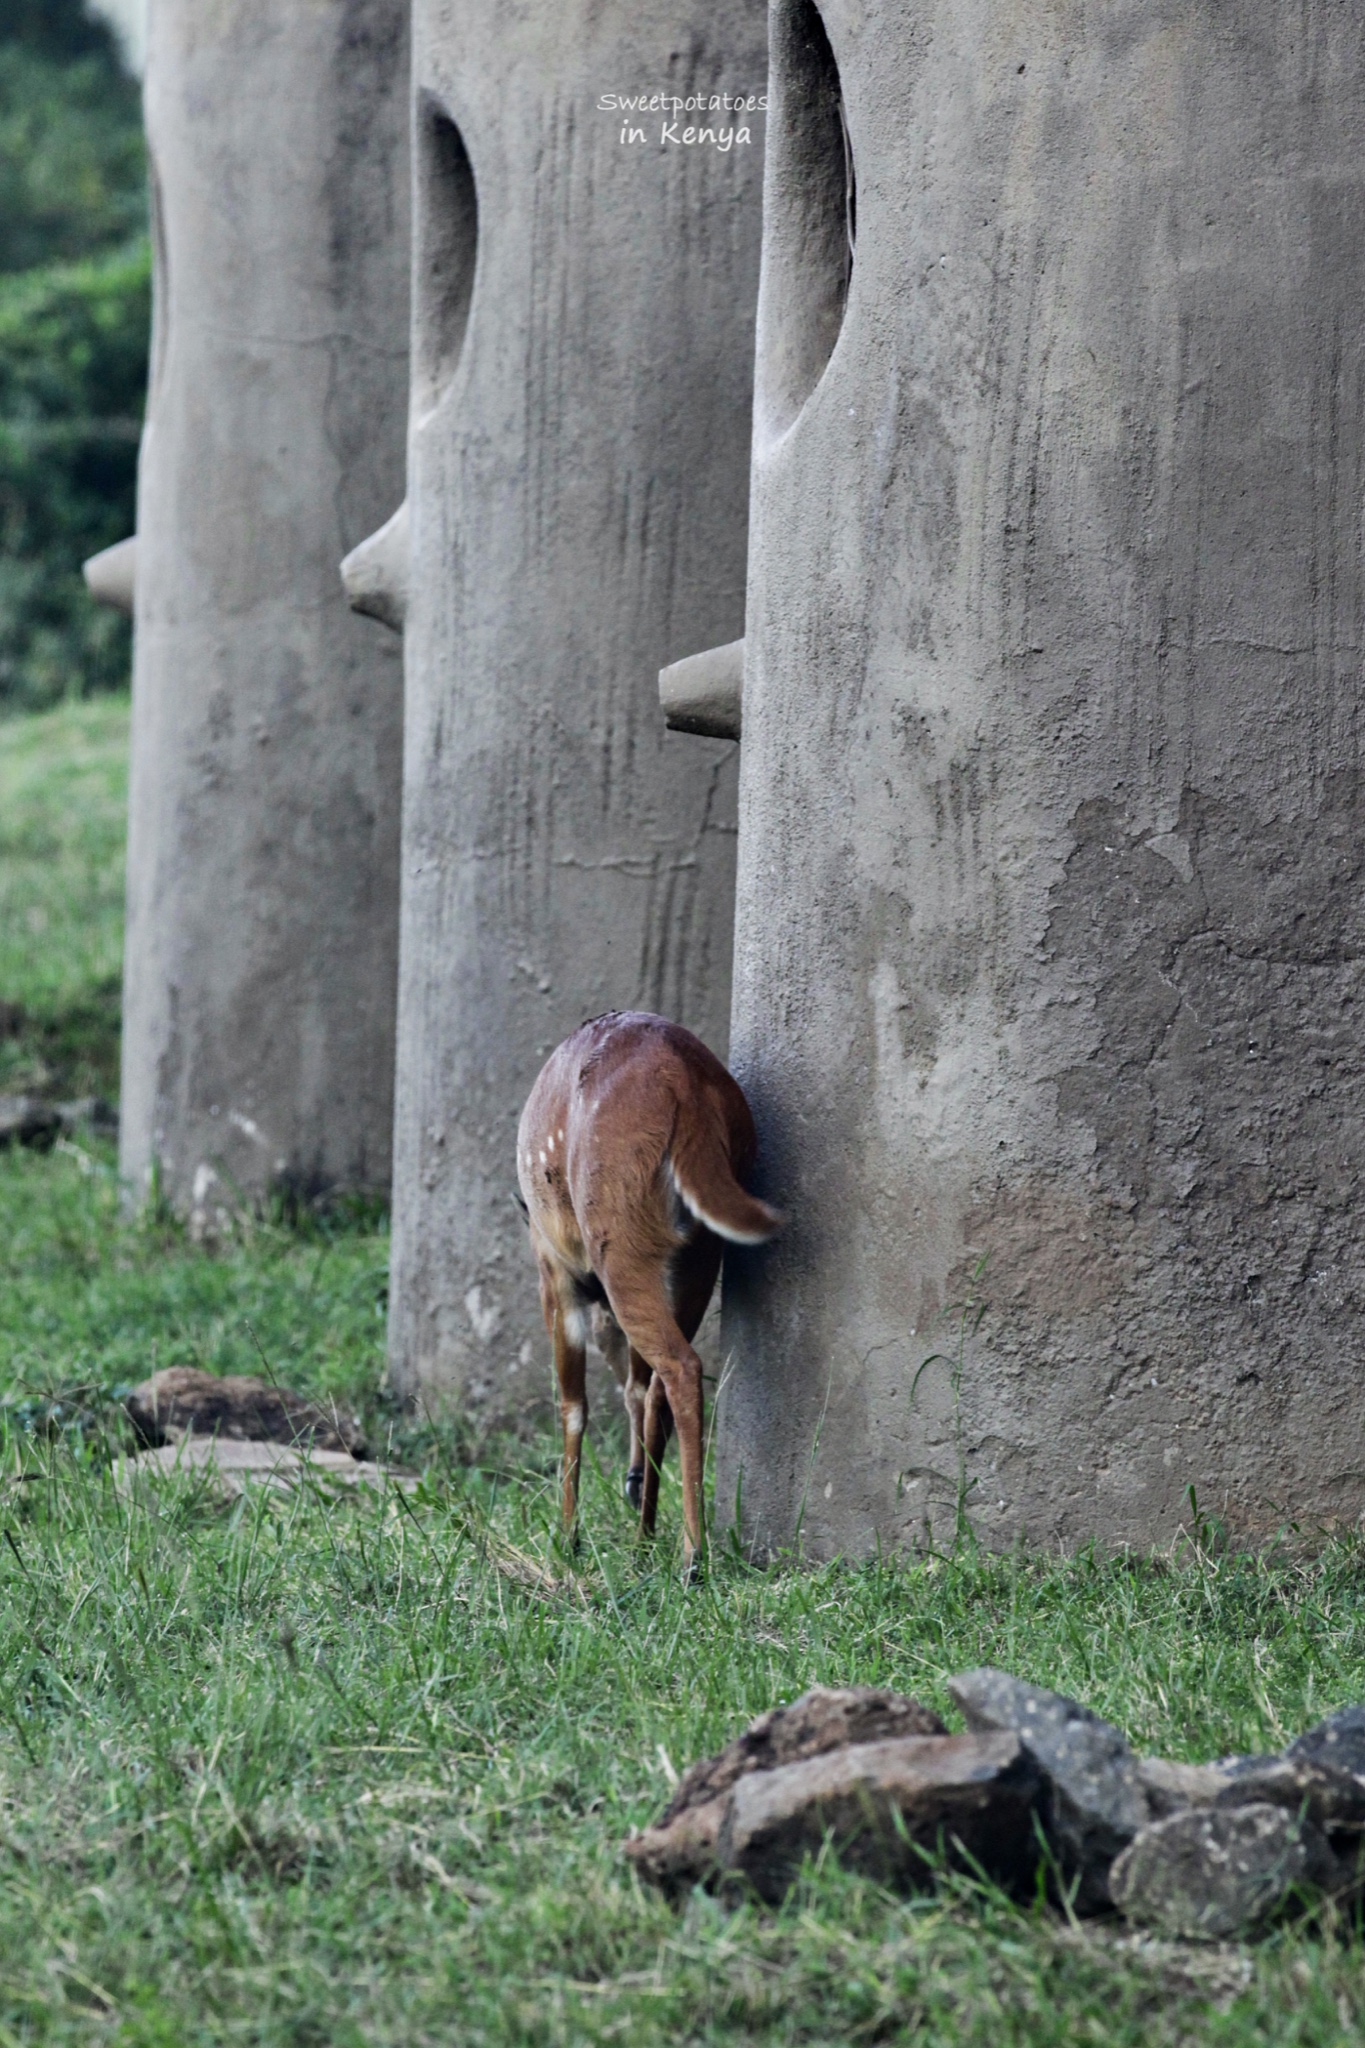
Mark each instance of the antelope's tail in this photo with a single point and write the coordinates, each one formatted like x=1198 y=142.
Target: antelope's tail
x=707 y=1187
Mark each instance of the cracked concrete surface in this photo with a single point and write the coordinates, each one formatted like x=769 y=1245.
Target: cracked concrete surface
x=263 y=851
x=578 y=472
x=1052 y=822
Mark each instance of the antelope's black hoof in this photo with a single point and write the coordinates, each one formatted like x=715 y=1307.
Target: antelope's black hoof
x=635 y=1485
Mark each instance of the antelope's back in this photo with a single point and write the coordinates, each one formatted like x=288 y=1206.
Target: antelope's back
x=606 y=1104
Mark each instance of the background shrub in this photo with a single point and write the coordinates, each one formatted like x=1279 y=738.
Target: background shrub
x=75 y=291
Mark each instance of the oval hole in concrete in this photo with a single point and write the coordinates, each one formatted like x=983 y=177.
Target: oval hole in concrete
x=811 y=217
x=447 y=250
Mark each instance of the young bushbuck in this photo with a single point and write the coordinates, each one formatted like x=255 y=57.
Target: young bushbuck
x=629 y=1157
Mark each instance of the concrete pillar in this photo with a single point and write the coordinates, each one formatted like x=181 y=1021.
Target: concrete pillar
x=1050 y=946
x=578 y=480
x=263 y=849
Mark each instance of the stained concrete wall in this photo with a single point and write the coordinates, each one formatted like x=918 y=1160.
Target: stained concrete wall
x=578 y=471
x=1051 y=902
x=266 y=777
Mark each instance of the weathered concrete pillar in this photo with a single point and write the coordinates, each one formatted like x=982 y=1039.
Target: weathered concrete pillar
x=1051 y=905
x=578 y=482
x=263 y=850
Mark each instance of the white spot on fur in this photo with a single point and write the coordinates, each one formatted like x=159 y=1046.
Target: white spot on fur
x=542 y=1158
x=550 y=1141
x=574 y=1418
x=575 y=1326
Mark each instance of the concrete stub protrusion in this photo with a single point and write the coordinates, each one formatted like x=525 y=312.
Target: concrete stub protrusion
x=585 y=276
x=704 y=693
x=261 y=958
x=111 y=575
x=375 y=575
x=1050 y=926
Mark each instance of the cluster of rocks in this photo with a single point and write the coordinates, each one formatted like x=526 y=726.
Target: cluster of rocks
x=244 y=1431
x=30 y=1120
x=1038 y=1788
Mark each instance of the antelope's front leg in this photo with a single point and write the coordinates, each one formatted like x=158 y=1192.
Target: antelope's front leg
x=571 y=1361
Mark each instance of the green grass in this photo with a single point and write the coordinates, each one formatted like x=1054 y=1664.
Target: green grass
x=302 y=1772
x=63 y=800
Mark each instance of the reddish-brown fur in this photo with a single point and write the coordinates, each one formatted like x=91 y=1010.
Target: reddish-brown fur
x=629 y=1156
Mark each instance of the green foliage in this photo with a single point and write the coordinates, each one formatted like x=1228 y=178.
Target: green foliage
x=63 y=30
x=73 y=366
x=63 y=804
x=72 y=169
x=74 y=320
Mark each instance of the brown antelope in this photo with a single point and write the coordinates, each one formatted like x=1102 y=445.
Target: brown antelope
x=629 y=1154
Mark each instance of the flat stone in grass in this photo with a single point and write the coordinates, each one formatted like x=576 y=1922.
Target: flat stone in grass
x=893 y=1811
x=232 y=1466
x=1093 y=1800
x=182 y=1401
x=1217 y=1872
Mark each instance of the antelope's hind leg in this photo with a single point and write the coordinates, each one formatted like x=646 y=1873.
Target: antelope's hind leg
x=644 y=1313
x=632 y=1376
x=637 y=1405
x=657 y=1430
x=571 y=1371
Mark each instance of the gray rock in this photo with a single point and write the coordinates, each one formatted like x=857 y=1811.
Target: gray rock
x=1338 y=1742
x=1093 y=1802
x=1333 y=1799
x=1210 y=1874
x=1244 y=1766
x=182 y=1401
x=231 y=1467
x=24 y=1120
x=891 y=1810
x=1175 y=1787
